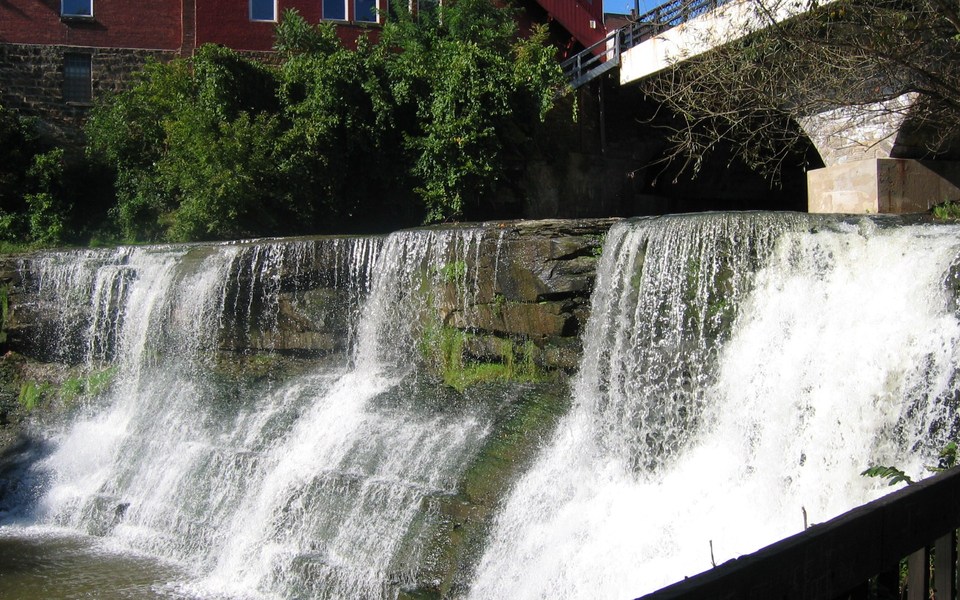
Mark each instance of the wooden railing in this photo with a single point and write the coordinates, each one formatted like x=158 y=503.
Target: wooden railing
x=854 y=556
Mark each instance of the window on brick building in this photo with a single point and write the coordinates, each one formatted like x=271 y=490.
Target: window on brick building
x=76 y=8
x=263 y=10
x=416 y=6
x=365 y=10
x=77 y=86
x=335 y=10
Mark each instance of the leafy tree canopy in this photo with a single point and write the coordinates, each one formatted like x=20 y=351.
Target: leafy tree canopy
x=34 y=206
x=413 y=128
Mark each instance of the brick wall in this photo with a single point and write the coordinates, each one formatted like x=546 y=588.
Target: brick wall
x=114 y=24
x=227 y=22
x=31 y=81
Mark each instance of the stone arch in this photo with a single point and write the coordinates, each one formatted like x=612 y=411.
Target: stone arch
x=860 y=132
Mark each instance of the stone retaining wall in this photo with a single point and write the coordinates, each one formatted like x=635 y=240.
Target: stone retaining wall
x=31 y=81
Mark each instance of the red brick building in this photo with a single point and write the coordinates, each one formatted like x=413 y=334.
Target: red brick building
x=57 y=55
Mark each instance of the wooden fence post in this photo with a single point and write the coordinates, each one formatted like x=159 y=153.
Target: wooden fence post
x=918 y=575
x=944 y=567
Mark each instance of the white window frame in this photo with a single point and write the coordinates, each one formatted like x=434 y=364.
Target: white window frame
x=346 y=11
x=64 y=13
x=270 y=20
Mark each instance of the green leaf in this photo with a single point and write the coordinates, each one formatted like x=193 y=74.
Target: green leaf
x=894 y=474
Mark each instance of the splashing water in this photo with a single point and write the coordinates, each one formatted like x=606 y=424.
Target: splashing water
x=738 y=371
x=307 y=487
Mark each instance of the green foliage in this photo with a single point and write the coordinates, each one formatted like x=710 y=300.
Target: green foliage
x=19 y=144
x=948 y=211
x=413 y=128
x=34 y=210
x=894 y=474
x=77 y=386
x=599 y=241
x=947 y=459
x=45 y=208
x=341 y=142
x=97 y=382
x=32 y=394
x=444 y=349
x=71 y=389
x=86 y=385
x=471 y=88
x=453 y=272
x=193 y=145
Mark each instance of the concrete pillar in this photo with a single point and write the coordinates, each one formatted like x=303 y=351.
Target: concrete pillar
x=882 y=185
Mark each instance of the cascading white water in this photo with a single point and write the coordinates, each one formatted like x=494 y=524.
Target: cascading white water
x=306 y=488
x=739 y=371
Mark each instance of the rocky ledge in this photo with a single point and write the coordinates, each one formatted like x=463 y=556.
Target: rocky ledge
x=531 y=283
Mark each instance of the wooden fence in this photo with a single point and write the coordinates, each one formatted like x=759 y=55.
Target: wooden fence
x=855 y=556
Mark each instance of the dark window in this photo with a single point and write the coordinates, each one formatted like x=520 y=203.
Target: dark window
x=365 y=10
x=76 y=8
x=76 y=78
x=263 y=10
x=335 y=10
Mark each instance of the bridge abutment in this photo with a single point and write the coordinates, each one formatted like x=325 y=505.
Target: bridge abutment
x=883 y=185
x=868 y=171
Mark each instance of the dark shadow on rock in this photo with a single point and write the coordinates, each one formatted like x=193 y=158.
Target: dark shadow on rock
x=21 y=482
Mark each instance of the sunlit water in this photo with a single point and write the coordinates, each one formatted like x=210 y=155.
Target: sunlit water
x=739 y=372
x=43 y=564
x=307 y=487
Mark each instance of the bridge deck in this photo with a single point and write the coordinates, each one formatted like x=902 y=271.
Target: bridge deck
x=605 y=54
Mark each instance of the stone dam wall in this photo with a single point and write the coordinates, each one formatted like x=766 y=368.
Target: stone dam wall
x=532 y=282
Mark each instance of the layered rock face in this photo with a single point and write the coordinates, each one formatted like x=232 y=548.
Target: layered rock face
x=530 y=284
x=508 y=298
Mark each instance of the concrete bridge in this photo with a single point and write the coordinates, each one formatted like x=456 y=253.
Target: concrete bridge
x=872 y=157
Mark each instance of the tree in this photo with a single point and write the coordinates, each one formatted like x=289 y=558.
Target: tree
x=752 y=92
x=469 y=88
x=342 y=140
x=193 y=147
x=411 y=129
x=33 y=206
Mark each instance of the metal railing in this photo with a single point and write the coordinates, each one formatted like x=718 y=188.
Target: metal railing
x=666 y=16
x=594 y=61
x=605 y=54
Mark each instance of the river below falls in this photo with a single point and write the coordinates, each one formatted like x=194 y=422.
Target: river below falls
x=43 y=563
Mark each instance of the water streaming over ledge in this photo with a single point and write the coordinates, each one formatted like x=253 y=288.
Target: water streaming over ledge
x=738 y=370
x=312 y=487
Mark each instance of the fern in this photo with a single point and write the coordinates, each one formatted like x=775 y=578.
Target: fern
x=894 y=474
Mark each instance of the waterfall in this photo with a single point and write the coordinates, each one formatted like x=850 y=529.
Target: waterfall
x=739 y=372
x=263 y=423
x=312 y=485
